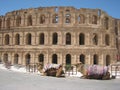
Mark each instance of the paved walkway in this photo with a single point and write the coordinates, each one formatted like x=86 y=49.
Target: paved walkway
x=10 y=80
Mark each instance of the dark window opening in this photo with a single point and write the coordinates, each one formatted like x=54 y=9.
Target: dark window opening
x=18 y=21
x=68 y=39
x=55 y=38
x=107 y=60
x=27 y=58
x=42 y=19
x=107 y=40
x=82 y=59
x=54 y=59
x=95 y=59
x=16 y=56
x=5 y=58
x=41 y=58
x=41 y=39
x=29 y=23
x=28 y=39
x=8 y=23
x=81 y=39
x=17 y=39
x=7 y=39
x=106 y=22
x=68 y=59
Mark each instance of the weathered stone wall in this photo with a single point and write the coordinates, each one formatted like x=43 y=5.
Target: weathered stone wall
x=96 y=45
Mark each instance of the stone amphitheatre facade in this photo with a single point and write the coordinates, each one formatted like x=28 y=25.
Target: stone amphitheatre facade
x=60 y=35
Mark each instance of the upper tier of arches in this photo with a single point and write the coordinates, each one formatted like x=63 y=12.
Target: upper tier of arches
x=55 y=16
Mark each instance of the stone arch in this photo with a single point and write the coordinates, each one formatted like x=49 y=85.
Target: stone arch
x=17 y=39
x=108 y=60
x=27 y=59
x=68 y=39
x=95 y=39
x=41 y=38
x=54 y=59
x=81 y=19
x=81 y=39
x=107 y=39
x=16 y=58
x=94 y=19
x=68 y=59
x=55 y=38
x=95 y=59
x=28 y=39
x=5 y=58
x=18 y=21
x=29 y=20
x=7 y=39
x=106 y=22
x=82 y=58
x=41 y=58
x=42 y=19
x=8 y=23
x=55 y=18
x=68 y=18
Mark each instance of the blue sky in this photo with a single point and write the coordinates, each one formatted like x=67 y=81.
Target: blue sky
x=112 y=7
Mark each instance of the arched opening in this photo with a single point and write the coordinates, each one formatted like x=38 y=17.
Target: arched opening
x=106 y=22
x=17 y=39
x=42 y=19
x=7 y=39
x=81 y=19
x=68 y=39
x=41 y=58
x=18 y=21
x=94 y=19
x=8 y=23
x=68 y=59
x=29 y=20
x=27 y=58
x=55 y=38
x=5 y=58
x=41 y=39
x=56 y=9
x=28 y=39
x=16 y=58
x=95 y=59
x=107 y=60
x=82 y=59
x=107 y=40
x=81 y=39
x=55 y=18
x=95 y=39
x=67 y=18
x=54 y=59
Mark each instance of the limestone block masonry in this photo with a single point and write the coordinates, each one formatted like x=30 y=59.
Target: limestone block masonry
x=60 y=35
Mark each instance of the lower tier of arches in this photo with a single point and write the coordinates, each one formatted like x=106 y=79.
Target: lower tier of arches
x=89 y=57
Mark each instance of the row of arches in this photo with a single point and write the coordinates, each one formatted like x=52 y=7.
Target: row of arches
x=55 y=39
x=68 y=59
x=81 y=19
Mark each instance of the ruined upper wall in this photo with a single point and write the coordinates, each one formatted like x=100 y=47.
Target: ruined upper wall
x=56 y=10
x=52 y=16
